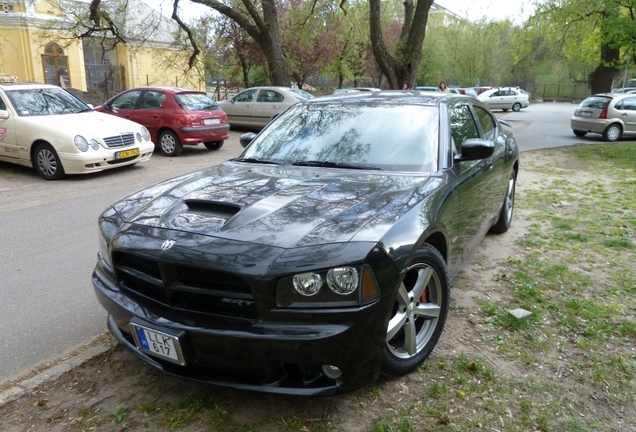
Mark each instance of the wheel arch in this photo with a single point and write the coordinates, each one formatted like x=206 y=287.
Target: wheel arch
x=35 y=145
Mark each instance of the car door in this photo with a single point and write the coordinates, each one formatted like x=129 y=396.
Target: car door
x=149 y=110
x=268 y=104
x=8 y=136
x=474 y=181
x=239 y=110
x=124 y=104
x=627 y=112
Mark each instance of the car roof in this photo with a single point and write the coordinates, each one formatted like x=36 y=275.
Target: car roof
x=389 y=97
x=167 y=89
x=26 y=85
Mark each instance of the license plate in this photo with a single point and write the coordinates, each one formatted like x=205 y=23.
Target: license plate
x=158 y=344
x=127 y=153
x=211 y=121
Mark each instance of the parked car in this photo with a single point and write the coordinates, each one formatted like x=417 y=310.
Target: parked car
x=481 y=89
x=610 y=114
x=47 y=128
x=319 y=256
x=465 y=91
x=257 y=106
x=426 y=88
x=504 y=99
x=174 y=116
x=624 y=90
x=342 y=91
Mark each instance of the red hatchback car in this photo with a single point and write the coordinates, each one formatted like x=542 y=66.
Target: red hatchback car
x=174 y=116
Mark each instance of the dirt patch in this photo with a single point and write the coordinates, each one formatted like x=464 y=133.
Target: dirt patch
x=117 y=392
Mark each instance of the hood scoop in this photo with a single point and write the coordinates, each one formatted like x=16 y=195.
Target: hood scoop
x=193 y=213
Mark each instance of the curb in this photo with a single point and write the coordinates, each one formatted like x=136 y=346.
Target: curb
x=50 y=374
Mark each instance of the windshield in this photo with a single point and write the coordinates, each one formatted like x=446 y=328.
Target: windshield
x=195 y=101
x=390 y=137
x=45 y=101
x=301 y=94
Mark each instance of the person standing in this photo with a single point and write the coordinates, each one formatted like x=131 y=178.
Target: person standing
x=405 y=85
x=443 y=87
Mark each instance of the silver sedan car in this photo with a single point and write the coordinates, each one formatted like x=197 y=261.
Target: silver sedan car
x=609 y=114
x=504 y=99
x=257 y=106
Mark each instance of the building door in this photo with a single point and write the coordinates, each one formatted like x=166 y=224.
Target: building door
x=55 y=65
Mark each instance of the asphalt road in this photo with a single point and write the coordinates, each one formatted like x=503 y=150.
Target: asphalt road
x=48 y=238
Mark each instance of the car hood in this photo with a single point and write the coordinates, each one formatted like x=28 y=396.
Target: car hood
x=282 y=206
x=91 y=124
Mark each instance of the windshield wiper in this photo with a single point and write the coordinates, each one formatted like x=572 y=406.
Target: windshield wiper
x=85 y=110
x=330 y=164
x=254 y=160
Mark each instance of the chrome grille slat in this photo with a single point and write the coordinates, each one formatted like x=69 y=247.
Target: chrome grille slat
x=122 y=140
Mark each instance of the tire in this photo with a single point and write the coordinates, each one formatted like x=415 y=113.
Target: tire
x=213 y=145
x=507 y=208
x=613 y=132
x=47 y=163
x=516 y=107
x=169 y=144
x=579 y=133
x=419 y=312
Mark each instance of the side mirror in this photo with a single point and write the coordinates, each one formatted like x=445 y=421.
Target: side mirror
x=4 y=114
x=247 y=138
x=476 y=149
x=107 y=106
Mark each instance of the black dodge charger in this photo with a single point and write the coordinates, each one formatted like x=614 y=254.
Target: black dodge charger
x=319 y=257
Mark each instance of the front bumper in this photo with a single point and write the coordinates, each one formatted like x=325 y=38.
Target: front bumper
x=94 y=161
x=280 y=353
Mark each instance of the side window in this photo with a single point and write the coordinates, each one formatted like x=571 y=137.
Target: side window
x=3 y=106
x=488 y=123
x=246 y=96
x=462 y=125
x=270 y=96
x=126 y=101
x=629 y=104
x=152 y=99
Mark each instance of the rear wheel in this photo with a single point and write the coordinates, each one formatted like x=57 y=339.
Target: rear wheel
x=418 y=314
x=47 y=163
x=613 y=132
x=508 y=207
x=579 y=133
x=213 y=145
x=169 y=144
x=516 y=107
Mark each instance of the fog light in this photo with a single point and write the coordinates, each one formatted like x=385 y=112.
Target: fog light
x=331 y=371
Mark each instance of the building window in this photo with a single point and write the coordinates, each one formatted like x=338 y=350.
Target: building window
x=55 y=65
x=6 y=6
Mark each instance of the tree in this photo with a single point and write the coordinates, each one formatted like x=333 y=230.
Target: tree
x=593 y=31
x=403 y=64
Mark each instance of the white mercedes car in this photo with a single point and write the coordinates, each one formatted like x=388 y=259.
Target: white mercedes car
x=47 y=128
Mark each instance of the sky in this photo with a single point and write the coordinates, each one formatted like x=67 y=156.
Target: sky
x=518 y=10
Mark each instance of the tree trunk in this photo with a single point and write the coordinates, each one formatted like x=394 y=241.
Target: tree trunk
x=602 y=77
x=403 y=65
x=272 y=46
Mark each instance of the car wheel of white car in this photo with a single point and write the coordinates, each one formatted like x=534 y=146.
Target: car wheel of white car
x=613 y=132
x=516 y=107
x=418 y=313
x=170 y=144
x=508 y=207
x=213 y=145
x=47 y=163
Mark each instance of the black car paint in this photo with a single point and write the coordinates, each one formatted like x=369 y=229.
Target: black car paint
x=265 y=222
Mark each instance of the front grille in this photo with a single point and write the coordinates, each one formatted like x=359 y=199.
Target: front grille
x=122 y=140
x=185 y=288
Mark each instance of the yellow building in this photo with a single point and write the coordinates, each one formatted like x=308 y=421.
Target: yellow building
x=40 y=42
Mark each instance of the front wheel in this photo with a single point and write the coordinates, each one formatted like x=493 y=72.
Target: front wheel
x=579 y=133
x=213 y=145
x=169 y=144
x=418 y=314
x=516 y=107
x=507 y=208
x=47 y=163
x=613 y=132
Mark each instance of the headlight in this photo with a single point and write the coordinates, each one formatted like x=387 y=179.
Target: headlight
x=94 y=144
x=145 y=134
x=81 y=143
x=348 y=286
